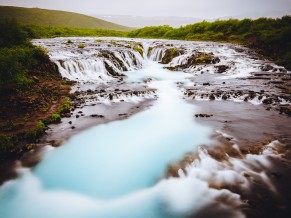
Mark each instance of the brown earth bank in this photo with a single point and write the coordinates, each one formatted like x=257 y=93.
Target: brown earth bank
x=25 y=111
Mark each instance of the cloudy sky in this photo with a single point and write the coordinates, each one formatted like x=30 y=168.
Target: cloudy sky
x=192 y=8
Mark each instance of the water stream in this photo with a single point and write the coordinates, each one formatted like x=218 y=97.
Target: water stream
x=113 y=170
x=117 y=170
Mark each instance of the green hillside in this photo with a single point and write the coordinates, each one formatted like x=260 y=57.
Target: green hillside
x=54 y=18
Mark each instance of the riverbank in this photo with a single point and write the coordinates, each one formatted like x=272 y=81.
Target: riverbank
x=33 y=93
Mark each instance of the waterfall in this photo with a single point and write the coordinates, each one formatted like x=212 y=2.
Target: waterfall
x=157 y=54
x=99 y=68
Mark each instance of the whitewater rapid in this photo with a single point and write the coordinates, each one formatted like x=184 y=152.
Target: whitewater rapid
x=117 y=170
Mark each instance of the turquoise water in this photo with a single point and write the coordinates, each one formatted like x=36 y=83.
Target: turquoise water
x=114 y=170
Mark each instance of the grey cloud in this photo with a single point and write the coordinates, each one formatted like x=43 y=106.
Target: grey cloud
x=193 y=8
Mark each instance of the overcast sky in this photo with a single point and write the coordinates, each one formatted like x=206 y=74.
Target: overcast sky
x=192 y=8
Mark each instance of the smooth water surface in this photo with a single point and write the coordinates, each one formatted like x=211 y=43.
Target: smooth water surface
x=113 y=170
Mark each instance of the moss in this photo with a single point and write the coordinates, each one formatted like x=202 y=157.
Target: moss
x=55 y=118
x=150 y=51
x=203 y=58
x=170 y=54
x=138 y=49
x=81 y=45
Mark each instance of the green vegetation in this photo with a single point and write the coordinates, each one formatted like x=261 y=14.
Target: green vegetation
x=81 y=45
x=34 y=31
x=53 y=18
x=170 y=54
x=270 y=37
x=32 y=92
x=138 y=49
x=17 y=55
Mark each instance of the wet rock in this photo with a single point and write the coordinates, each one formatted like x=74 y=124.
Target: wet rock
x=70 y=122
x=268 y=101
x=72 y=127
x=77 y=116
x=170 y=54
x=266 y=67
x=221 y=68
x=97 y=115
x=224 y=97
x=211 y=97
x=252 y=94
x=204 y=115
x=286 y=110
x=206 y=84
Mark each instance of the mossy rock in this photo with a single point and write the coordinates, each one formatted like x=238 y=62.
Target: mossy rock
x=138 y=49
x=81 y=45
x=170 y=54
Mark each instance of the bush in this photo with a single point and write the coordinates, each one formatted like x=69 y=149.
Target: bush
x=56 y=118
x=17 y=55
x=16 y=62
x=11 y=34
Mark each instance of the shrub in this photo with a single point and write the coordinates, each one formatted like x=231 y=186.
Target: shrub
x=11 y=34
x=55 y=118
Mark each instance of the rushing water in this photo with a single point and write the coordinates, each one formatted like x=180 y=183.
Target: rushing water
x=116 y=170
x=113 y=170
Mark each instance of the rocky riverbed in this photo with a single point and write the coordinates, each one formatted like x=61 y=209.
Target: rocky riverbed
x=243 y=169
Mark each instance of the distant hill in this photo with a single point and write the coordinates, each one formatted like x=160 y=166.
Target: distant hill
x=142 y=21
x=55 y=18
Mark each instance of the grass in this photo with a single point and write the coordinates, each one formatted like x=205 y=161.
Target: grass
x=53 y=18
x=34 y=31
x=32 y=92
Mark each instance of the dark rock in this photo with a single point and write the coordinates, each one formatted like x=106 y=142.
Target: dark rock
x=267 y=67
x=97 y=115
x=206 y=84
x=204 y=115
x=221 y=68
x=224 y=97
x=70 y=122
x=268 y=101
x=72 y=127
x=211 y=97
x=77 y=116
